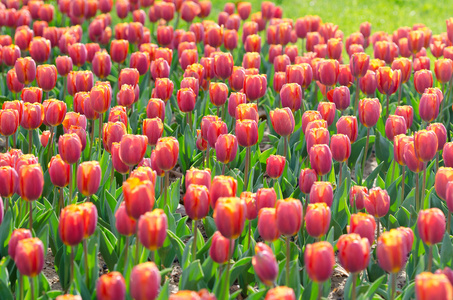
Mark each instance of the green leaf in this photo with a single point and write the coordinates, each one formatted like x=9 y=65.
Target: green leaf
x=5 y=292
x=373 y=288
x=191 y=276
x=107 y=247
x=446 y=252
x=177 y=244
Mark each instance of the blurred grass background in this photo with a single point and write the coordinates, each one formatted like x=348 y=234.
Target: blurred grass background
x=385 y=15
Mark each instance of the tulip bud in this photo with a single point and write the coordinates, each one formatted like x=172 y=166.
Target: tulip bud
x=111 y=286
x=289 y=216
x=31 y=182
x=118 y=50
x=347 y=125
x=407 y=112
x=447 y=154
x=265 y=264
x=124 y=224
x=163 y=89
x=31 y=95
x=364 y=225
x=88 y=177
x=247 y=132
x=229 y=215
x=433 y=286
x=369 y=111
x=425 y=144
x=320 y=260
x=58 y=171
x=70 y=148
x=132 y=148
x=152 y=229
x=71 y=225
x=321 y=159
x=353 y=252
x=29 y=256
x=429 y=107
x=226 y=148
x=431 y=226
x=16 y=236
x=423 y=79
x=9 y=122
x=167 y=153
x=391 y=251
x=139 y=197
x=282 y=121
x=218 y=93
x=441 y=134
x=255 y=87
x=377 y=203
x=25 y=70
x=394 y=126
x=144 y=272
x=275 y=164
x=318 y=219
x=359 y=64
x=223 y=65
x=281 y=293
x=221 y=248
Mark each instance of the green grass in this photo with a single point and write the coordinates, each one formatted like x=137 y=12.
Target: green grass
x=384 y=15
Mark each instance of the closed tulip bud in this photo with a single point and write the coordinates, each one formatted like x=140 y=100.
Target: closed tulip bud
x=229 y=216
x=218 y=93
x=320 y=260
x=25 y=70
x=327 y=111
x=369 y=111
x=54 y=112
x=281 y=62
x=247 y=111
x=234 y=101
x=364 y=225
x=321 y=159
x=125 y=225
x=64 y=65
x=447 y=154
x=328 y=72
x=198 y=177
x=223 y=65
x=139 y=197
x=309 y=116
x=221 y=248
x=71 y=225
x=167 y=153
x=306 y=179
x=251 y=60
x=16 y=236
x=289 y=216
x=58 y=171
x=155 y=109
x=316 y=135
x=153 y=129
x=291 y=96
x=377 y=203
x=340 y=146
x=200 y=142
x=407 y=112
x=368 y=83
x=10 y=54
x=29 y=256
x=230 y=37
x=9 y=121
x=133 y=148
x=265 y=264
x=126 y=95
x=163 y=89
x=250 y=201
x=275 y=164
x=118 y=50
x=152 y=229
x=388 y=80
x=301 y=74
x=318 y=219
x=441 y=134
x=145 y=272
x=40 y=49
x=341 y=97
x=353 y=252
x=359 y=64
x=222 y=186
x=429 y=107
x=265 y=197
x=101 y=64
x=348 y=125
x=118 y=164
x=70 y=147
x=88 y=177
x=321 y=192
x=394 y=126
x=9 y=181
x=90 y=218
x=282 y=121
x=391 y=251
x=14 y=85
x=247 y=132
x=191 y=83
x=431 y=226
x=226 y=147
x=196 y=201
x=46 y=76
x=423 y=79
x=23 y=37
x=443 y=69
x=405 y=66
x=443 y=176
x=267 y=224
x=111 y=286
x=344 y=76
x=425 y=144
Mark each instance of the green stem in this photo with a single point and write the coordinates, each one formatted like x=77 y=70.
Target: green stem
x=112 y=176
x=137 y=246
x=194 y=243
x=403 y=185
x=30 y=141
x=366 y=148
x=288 y=247
x=165 y=191
x=247 y=166
x=250 y=233
x=207 y=156
x=71 y=274
x=319 y=290
x=393 y=279
x=422 y=200
x=357 y=93
x=87 y=269
x=388 y=107
x=65 y=87
x=378 y=229
x=21 y=283
x=71 y=171
x=400 y=89
x=91 y=139
x=126 y=252
x=32 y=288
x=430 y=258
x=30 y=216
x=448 y=223
x=49 y=144
x=227 y=277
x=417 y=191
x=285 y=147
x=354 y=284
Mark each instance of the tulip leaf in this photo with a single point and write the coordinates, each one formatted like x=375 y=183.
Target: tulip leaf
x=371 y=290
x=257 y=295
x=5 y=231
x=177 y=244
x=190 y=276
x=5 y=292
x=107 y=247
x=369 y=182
x=446 y=251
x=164 y=293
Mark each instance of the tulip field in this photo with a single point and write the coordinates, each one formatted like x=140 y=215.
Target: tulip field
x=183 y=149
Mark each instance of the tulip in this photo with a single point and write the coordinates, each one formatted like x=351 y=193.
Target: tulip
x=410 y=158
x=364 y=225
x=423 y=79
x=139 y=197
x=111 y=286
x=163 y=89
x=281 y=293
x=196 y=201
x=218 y=93
x=25 y=70
x=9 y=122
x=9 y=180
x=221 y=248
x=354 y=252
x=431 y=228
x=443 y=69
x=29 y=256
x=10 y=54
x=229 y=215
x=433 y=286
x=223 y=65
x=255 y=87
x=447 y=154
x=429 y=107
x=347 y=125
x=368 y=83
x=88 y=177
x=31 y=95
x=321 y=159
x=394 y=126
x=391 y=251
x=317 y=218
x=359 y=64
x=265 y=264
x=58 y=171
x=320 y=260
x=46 y=77
x=145 y=272
x=198 y=177
x=291 y=95
x=267 y=224
x=71 y=225
x=124 y=224
x=377 y=203
x=152 y=229
x=16 y=236
x=275 y=164
x=64 y=65
x=133 y=148
x=155 y=109
x=425 y=143
x=118 y=50
x=327 y=111
x=226 y=148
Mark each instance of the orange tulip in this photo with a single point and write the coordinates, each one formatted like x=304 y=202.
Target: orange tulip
x=433 y=286
x=229 y=216
x=111 y=286
x=152 y=229
x=145 y=272
x=29 y=256
x=71 y=225
x=319 y=259
x=431 y=226
x=364 y=225
x=353 y=252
